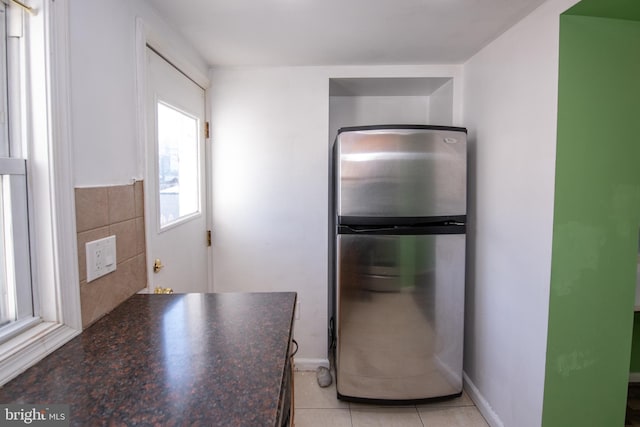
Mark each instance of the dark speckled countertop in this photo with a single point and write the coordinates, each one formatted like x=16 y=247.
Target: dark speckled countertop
x=170 y=360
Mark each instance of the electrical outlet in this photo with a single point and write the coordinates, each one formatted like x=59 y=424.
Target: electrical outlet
x=101 y=257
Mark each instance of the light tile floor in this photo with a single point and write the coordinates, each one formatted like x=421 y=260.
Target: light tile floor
x=319 y=407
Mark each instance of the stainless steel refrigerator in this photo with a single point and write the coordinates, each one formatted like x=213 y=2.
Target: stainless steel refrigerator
x=398 y=214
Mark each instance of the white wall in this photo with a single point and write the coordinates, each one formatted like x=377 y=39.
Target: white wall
x=376 y=110
x=103 y=87
x=441 y=105
x=270 y=133
x=510 y=110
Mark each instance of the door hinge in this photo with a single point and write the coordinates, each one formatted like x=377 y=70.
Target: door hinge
x=206 y=130
x=208 y=237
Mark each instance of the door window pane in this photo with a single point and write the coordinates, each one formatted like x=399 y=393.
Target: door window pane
x=178 y=165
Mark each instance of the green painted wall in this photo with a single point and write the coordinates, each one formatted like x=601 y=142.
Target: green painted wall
x=596 y=219
x=616 y=9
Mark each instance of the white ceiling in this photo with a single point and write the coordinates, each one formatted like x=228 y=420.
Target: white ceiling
x=341 y=32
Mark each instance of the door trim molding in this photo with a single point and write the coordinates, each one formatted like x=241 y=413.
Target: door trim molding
x=147 y=37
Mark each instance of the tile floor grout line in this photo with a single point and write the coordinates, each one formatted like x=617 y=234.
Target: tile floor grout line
x=324 y=403
x=420 y=416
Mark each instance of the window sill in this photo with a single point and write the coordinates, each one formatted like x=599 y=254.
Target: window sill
x=26 y=349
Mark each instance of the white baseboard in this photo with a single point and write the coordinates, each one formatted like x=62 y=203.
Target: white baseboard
x=481 y=403
x=303 y=364
x=634 y=377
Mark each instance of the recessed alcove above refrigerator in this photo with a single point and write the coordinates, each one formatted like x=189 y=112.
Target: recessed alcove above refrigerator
x=389 y=100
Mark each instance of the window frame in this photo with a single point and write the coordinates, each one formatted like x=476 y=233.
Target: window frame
x=46 y=127
x=21 y=311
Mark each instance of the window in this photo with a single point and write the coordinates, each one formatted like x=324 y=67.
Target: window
x=16 y=297
x=39 y=294
x=178 y=165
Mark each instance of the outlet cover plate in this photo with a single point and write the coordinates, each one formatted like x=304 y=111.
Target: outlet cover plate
x=101 y=257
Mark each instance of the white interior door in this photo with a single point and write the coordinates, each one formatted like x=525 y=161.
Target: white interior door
x=176 y=217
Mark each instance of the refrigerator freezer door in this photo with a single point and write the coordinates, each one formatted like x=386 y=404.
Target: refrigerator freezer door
x=401 y=173
x=400 y=314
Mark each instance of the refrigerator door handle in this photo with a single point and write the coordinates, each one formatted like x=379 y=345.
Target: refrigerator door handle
x=356 y=230
x=399 y=230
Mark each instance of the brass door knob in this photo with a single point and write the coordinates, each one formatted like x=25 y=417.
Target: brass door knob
x=157 y=265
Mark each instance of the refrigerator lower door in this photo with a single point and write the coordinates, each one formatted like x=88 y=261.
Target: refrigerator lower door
x=400 y=316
